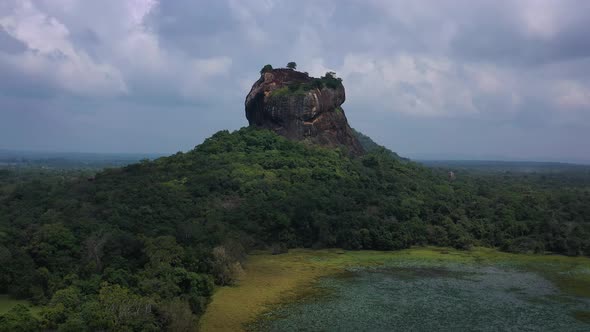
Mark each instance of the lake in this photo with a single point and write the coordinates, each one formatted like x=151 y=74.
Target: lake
x=418 y=289
x=410 y=297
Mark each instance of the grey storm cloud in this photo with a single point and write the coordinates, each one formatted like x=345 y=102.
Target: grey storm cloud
x=506 y=79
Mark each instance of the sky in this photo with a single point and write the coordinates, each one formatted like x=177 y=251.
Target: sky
x=428 y=79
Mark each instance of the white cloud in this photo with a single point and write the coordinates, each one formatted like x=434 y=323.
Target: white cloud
x=247 y=13
x=127 y=57
x=138 y=10
x=197 y=83
x=540 y=17
x=572 y=95
x=211 y=67
x=50 y=54
x=417 y=85
x=514 y=63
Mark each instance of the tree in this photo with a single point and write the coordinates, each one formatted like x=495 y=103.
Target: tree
x=95 y=250
x=265 y=69
x=316 y=84
x=226 y=269
x=292 y=65
x=121 y=309
x=177 y=315
x=163 y=251
x=18 y=318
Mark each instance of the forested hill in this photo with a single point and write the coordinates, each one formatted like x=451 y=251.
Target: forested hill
x=139 y=247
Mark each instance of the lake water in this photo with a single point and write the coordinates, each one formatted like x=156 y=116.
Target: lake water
x=432 y=298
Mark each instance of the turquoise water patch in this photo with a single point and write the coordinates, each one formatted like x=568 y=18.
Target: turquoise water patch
x=406 y=297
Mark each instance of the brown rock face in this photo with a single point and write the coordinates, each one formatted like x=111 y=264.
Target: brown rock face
x=301 y=107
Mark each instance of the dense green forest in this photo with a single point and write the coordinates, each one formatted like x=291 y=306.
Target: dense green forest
x=141 y=247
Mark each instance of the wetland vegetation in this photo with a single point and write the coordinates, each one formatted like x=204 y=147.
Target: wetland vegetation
x=419 y=288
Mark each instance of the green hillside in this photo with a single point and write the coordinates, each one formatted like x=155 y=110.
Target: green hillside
x=140 y=247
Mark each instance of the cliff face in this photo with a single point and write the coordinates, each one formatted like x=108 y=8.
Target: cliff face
x=301 y=107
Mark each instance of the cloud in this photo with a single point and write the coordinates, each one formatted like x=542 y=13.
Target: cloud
x=412 y=84
x=115 y=58
x=572 y=95
x=50 y=54
x=248 y=15
x=539 y=18
x=515 y=69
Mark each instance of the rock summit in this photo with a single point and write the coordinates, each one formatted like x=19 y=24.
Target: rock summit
x=303 y=108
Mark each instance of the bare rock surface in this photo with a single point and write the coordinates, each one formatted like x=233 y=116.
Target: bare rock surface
x=302 y=108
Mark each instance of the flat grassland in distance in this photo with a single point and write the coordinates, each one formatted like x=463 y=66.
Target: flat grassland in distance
x=7 y=303
x=270 y=281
